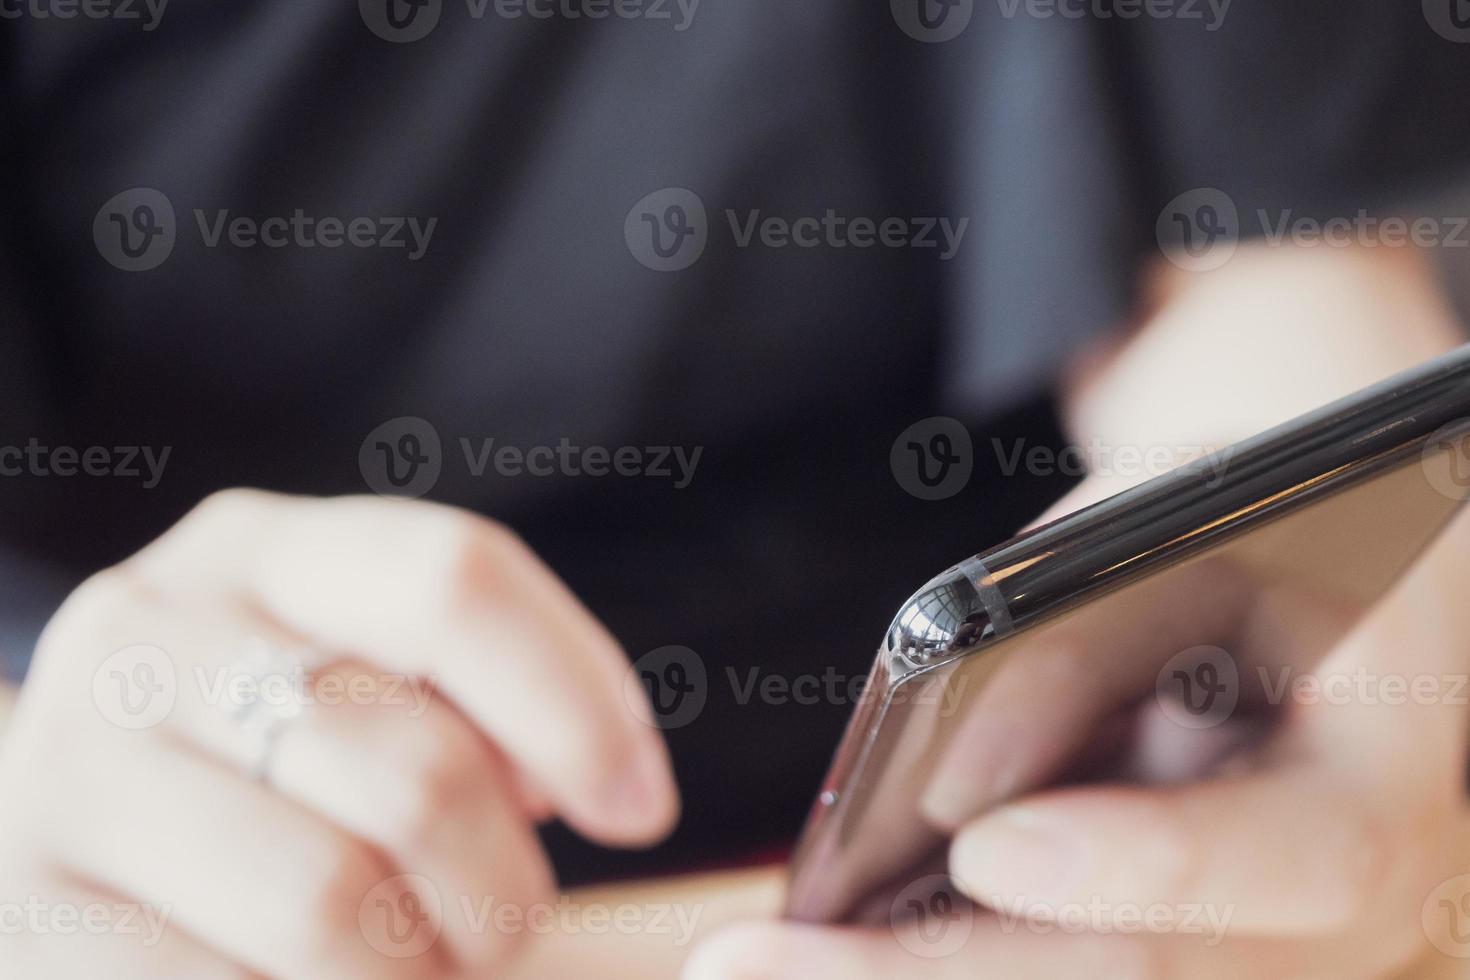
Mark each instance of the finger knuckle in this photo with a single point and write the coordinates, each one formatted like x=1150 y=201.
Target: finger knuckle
x=511 y=924
x=1129 y=957
x=228 y=503
x=469 y=559
x=95 y=608
x=432 y=543
x=1180 y=862
x=510 y=942
x=482 y=539
x=436 y=784
x=1360 y=863
x=220 y=522
x=458 y=560
x=222 y=508
x=345 y=873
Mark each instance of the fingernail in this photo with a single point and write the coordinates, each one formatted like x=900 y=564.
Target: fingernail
x=1018 y=852
x=946 y=802
x=956 y=797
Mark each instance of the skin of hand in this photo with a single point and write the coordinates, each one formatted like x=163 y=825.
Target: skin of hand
x=1336 y=846
x=459 y=694
x=665 y=919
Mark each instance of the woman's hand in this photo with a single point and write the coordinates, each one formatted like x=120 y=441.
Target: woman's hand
x=1332 y=843
x=306 y=739
x=1337 y=848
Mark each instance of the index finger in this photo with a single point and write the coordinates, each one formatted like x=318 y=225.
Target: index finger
x=439 y=592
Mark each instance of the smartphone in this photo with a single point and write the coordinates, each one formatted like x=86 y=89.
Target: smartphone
x=1197 y=597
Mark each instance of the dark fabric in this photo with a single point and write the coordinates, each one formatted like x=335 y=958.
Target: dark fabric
x=528 y=319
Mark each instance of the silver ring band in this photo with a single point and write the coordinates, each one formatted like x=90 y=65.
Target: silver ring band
x=265 y=700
